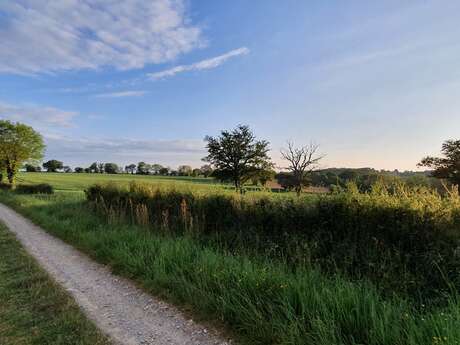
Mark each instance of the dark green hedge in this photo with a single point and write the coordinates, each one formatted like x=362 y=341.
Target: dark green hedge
x=407 y=241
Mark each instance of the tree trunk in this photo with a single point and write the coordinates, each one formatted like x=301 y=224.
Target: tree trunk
x=10 y=171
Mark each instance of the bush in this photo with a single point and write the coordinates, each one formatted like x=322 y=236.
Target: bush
x=5 y=186
x=42 y=188
x=404 y=240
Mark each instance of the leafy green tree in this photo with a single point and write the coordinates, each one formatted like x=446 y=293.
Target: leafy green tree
x=185 y=170
x=263 y=176
x=101 y=168
x=236 y=155
x=196 y=172
x=94 y=168
x=143 y=168
x=18 y=143
x=79 y=170
x=206 y=170
x=164 y=171
x=130 y=169
x=32 y=168
x=448 y=166
x=53 y=165
x=111 y=168
x=156 y=168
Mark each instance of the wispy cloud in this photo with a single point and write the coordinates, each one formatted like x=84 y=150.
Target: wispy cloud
x=48 y=36
x=82 y=151
x=201 y=65
x=38 y=116
x=121 y=94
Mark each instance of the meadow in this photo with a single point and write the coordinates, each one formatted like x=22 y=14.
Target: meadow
x=381 y=267
x=34 y=308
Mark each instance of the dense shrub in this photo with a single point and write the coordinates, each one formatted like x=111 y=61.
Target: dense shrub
x=42 y=188
x=404 y=240
x=5 y=186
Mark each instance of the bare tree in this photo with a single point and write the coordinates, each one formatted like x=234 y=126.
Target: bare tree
x=302 y=161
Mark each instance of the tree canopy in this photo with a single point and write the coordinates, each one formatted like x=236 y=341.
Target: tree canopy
x=18 y=143
x=53 y=165
x=448 y=166
x=237 y=156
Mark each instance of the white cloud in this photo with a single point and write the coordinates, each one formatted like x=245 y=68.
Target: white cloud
x=83 y=151
x=121 y=94
x=201 y=65
x=50 y=36
x=37 y=116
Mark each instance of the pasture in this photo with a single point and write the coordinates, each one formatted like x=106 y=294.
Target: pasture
x=79 y=182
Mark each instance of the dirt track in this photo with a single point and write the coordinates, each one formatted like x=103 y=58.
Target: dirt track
x=121 y=310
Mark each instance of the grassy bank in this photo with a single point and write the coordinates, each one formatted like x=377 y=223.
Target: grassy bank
x=262 y=300
x=405 y=241
x=33 y=309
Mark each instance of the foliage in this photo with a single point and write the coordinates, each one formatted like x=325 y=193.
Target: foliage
x=130 y=169
x=79 y=170
x=32 y=168
x=403 y=240
x=42 y=188
x=53 y=165
x=18 y=143
x=447 y=167
x=143 y=168
x=262 y=300
x=35 y=309
x=111 y=168
x=185 y=170
x=237 y=155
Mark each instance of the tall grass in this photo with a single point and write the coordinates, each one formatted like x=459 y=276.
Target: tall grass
x=406 y=240
x=262 y=300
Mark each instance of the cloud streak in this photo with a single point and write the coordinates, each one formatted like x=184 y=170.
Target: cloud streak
x=121 y=94
x=50 y=36
x=39 y=116
x=201 y=65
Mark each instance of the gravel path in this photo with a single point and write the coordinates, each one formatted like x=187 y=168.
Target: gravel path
x=120 y=309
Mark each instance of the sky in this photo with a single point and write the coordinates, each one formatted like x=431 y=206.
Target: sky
x=375 y=84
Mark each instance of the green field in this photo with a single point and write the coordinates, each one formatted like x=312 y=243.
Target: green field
x=33 y=308
x=352 y=268
x=78 y=182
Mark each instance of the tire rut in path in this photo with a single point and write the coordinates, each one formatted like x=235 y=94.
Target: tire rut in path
x=125 y=313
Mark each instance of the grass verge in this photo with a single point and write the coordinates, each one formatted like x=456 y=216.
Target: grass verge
x=264 y=302
x=34 y=309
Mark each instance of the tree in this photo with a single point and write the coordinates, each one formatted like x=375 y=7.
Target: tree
x=143 y=168
x=164 y=171
x=18 y=143
x=93 y=168
x=302 y=161
x=32 y=168
x=53 y=165
x=156 y=168
x=101 y=167
x=185 y=170
x=79 y=170
x=67 y=169
x=447 y=167
x=111 y=168
x=237 y=155
x=263 y=176
x=206 y=170
x=196 y=172
x=130 y=169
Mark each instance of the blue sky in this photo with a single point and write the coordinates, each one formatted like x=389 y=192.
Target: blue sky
x=374 y=84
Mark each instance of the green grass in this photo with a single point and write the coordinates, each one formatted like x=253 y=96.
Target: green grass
x=34 y=309
x=262 y=301
x=78 y=182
